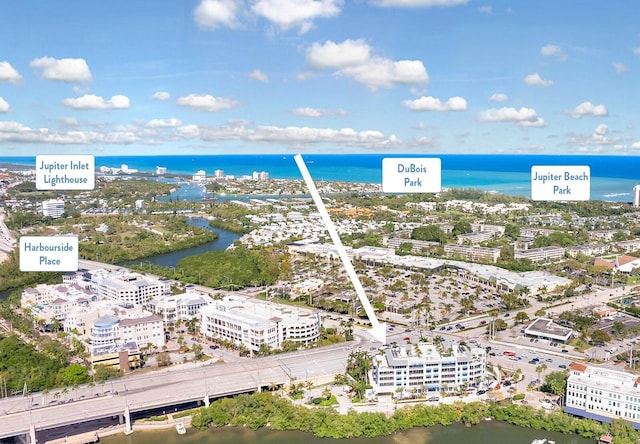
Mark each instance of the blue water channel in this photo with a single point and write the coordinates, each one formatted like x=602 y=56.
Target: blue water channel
x=224 y=240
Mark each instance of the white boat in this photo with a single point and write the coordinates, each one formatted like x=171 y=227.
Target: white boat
x=181 y=429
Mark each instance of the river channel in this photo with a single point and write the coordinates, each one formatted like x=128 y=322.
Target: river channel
x=225 y=238
x=489 y=432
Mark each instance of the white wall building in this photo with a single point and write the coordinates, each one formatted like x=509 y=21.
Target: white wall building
x=53 y=208
x=252 y=323
x=110 y=330
x=422 y=368
x=603 y=394
x=200 y=176
x=126 y=286
x=636 y=196
x=179 y=307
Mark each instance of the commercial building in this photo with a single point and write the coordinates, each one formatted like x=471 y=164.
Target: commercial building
x=180 y=307
x=423 y=368
x=111 y=330
x=254 y=323
x=53 y=208
x=546 y=329
x=126 y=286
x=603 y=394
x=120 y=357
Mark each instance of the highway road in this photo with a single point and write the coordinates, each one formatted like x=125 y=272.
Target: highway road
x=181 y=383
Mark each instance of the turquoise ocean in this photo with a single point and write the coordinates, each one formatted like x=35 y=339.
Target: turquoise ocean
x=612 y=177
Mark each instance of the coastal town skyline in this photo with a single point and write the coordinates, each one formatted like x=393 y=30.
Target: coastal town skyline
x=310 y=76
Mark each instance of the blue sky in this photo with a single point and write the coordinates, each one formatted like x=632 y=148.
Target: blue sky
x=315 y=76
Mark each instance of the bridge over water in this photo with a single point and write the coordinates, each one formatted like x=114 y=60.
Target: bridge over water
x=180 y=384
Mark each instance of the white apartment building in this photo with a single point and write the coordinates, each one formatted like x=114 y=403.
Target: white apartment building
x=49 y=302
x=423 y=368
x=602 y=394
x=53 y=208
x=543 y=254
x=126 y=286
x=143 y=330
x=472 y=253
x=200 y=176
x=179 y=307
x=477 y=237
x=636 y=196
x=252 y=323
x=111 y=330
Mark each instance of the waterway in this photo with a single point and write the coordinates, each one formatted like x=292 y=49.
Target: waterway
x=224 y=240
x=489 y=432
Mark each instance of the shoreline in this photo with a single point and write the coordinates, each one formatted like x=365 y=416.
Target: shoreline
x=120 y=429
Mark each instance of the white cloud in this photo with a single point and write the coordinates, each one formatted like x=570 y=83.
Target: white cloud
x=535 y=80
x=210 y=14
x=353 y=58
x=601 y=129
x=16 y=132
x=63 y=70
x=433 y=104
x=553 y=50
x=486 y=10
x=161 y=95
x=8 y=73
x=91 y=101
x=164 y=123
x=206 y=102
x=588 y=109
x=636 y=51
x=498 y=97
x=419 y=3
x=522 y=117
x=315 y=112
x=258 y=75
x=338 y=55
x=4 y=106
x=287 y=14
x=620 y=67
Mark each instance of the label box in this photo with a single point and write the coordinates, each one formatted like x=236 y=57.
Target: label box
x=48 y=253
x=65 y=172
x=560 y=183
x=411 y=175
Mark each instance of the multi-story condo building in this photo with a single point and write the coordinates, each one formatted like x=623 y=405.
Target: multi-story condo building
x=53 y=208
x=540 y=254
x=629 y=245
x=636 y=196
x=143 y=331
x=588 y=250
x=126 y=286
x=472 y=253
x=252 y=323
x=603 y=394
x=110 y=330
x=476 y=237
x=424 y=368
x=179 y=307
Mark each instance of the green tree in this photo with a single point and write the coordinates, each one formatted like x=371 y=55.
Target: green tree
x=555 y=383
x=521 y=317
x=600 y=336
x=73 y=375
x=432 y=233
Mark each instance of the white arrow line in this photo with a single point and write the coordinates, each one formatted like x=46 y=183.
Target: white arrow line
x=379 y=330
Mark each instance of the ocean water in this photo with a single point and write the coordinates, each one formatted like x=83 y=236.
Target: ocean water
x=612 y=177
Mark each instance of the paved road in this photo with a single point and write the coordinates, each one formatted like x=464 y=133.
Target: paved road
x=180 y=383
